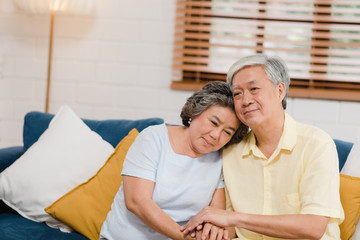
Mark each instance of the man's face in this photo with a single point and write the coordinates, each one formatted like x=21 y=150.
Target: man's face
x=256 y=101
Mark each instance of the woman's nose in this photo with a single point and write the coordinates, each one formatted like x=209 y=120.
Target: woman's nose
x=215 y=133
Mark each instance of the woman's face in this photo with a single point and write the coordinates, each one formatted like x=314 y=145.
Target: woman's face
x=212 y=129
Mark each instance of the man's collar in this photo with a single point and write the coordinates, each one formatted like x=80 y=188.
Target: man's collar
x=286 y=142
x=288 y=138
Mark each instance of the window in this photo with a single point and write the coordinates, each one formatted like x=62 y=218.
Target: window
x=318 y=39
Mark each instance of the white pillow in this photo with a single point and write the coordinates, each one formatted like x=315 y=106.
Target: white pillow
x=67 y=154
x=352 y=168
x=352 y=164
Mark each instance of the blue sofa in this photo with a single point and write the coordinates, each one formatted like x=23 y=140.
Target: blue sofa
x=15 y=227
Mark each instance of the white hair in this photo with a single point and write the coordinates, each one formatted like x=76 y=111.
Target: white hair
x=274 y=67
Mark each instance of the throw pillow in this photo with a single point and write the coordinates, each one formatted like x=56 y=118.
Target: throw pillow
x=352 y=164
x=85 y=207
x=352 y=168
x=67 y=154
x=350 y=200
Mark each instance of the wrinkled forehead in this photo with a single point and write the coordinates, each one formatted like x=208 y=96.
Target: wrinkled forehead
x=250 y=76
x=232 y=72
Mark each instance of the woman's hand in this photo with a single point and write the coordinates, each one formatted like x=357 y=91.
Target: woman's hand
x=212 y=215
x=208 y=232
x=138 y=200
x=212 y=232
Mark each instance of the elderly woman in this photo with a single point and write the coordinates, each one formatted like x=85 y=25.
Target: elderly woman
x=171 y=172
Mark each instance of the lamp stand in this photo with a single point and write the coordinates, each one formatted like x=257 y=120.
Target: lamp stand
x=52 y=18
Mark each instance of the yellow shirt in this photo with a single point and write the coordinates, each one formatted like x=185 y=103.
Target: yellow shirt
x=300 y=177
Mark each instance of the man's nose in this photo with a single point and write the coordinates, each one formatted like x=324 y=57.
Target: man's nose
x=247 y=98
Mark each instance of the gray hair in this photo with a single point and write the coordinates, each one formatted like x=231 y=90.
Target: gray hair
x=214 y=93
x=274 y=67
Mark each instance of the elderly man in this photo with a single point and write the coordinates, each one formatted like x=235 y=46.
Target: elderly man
x=282 y=181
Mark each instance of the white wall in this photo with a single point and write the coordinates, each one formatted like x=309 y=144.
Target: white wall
x=115 y=63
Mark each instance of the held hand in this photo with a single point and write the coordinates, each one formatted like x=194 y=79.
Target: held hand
x=212 y=232
x=188 y=237
x=194 y=234
x=208 y=232
x=207 y=215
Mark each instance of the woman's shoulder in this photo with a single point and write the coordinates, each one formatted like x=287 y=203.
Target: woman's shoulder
x=153 y=134
x=154 y=129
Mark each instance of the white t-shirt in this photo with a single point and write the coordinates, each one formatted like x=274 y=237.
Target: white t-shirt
x=183 y=185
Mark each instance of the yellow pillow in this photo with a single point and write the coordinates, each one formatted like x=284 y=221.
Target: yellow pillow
x=85 y=207
x=350 y=200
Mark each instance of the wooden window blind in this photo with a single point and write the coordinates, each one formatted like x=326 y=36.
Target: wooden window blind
x=318 y=39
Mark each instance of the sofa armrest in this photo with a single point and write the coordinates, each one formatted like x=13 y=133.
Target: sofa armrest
x=9 y=155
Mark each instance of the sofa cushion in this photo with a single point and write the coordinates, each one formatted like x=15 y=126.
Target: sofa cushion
x=352 y=168
x=112 y=131
x=85 y=207
x=343 y=148
x=350 y=200
x=15 y=227
x=352 y=164
x=67 y=154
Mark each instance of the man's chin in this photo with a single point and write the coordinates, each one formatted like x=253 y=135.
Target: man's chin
x=250 y=121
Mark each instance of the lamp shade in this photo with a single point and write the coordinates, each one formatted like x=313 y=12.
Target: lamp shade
x=75 y=7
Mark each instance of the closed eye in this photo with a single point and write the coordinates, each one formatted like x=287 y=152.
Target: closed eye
x=214 y=123
x=228 y=133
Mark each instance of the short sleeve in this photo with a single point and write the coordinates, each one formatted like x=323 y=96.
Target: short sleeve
x=143 y=156
x=221 y=183
x=319 y=187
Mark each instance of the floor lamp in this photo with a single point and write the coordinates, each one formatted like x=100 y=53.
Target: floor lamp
x=53 y=7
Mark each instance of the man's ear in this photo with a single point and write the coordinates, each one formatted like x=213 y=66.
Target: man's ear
x=281 y=90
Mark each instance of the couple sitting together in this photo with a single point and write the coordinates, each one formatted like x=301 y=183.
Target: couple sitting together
x=275 y=178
